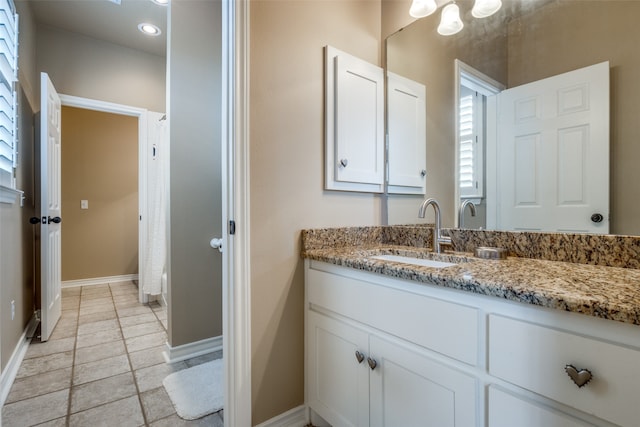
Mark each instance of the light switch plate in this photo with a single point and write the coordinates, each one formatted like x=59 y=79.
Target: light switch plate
x=84 y=204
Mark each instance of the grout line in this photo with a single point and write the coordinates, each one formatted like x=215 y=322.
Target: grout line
x=73 y=360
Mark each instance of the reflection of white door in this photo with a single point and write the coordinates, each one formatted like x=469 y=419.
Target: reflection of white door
x=50 y=207
x=553 y=161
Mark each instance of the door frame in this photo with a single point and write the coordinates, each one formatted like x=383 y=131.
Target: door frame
x=141 y=114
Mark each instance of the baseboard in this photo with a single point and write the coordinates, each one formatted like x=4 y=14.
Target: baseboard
x=11 y=369
x=194 y=349
x=296 y=417
x=99 y=280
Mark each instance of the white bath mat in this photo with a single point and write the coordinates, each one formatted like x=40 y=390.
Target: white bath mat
x=198 y=391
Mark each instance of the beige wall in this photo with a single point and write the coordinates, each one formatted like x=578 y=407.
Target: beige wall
x=91 y=68
x=286 y=143
x=195 y=271
x=560 y=48
x=99 y=164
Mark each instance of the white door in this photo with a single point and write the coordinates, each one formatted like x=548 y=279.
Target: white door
x=410 y=390
x=50 y=207
x=407 y=127
x=553 y=145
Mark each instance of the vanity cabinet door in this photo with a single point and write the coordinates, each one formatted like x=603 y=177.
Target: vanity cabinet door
x=338 y=374
x=409 y=389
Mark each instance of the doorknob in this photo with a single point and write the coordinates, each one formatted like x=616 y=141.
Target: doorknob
x=55 y=219
x=34 y=220
x=216 y=243
x=596 y=217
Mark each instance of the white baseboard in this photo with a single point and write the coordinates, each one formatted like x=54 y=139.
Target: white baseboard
x=194 y=349
x=296 y=417
x=99 y=280
x=11 y=369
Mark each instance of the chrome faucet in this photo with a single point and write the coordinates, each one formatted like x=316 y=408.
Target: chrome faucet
x=438 y=238
x=463 y=205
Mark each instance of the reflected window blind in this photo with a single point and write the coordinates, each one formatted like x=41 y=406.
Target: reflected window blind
x=8 y=78
x=470 y=160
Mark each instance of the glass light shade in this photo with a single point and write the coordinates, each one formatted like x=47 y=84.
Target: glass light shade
x=422 y=8
x=450 y=22
x=484 y=8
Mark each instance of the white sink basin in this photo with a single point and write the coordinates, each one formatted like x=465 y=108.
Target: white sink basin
x=414 y=261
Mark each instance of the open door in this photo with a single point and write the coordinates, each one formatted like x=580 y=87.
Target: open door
x=49 y=207
x=553 y=168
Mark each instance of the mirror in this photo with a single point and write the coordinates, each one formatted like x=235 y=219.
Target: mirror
x=527 y=40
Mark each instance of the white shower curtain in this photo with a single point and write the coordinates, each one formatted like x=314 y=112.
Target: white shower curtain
x=156 y=254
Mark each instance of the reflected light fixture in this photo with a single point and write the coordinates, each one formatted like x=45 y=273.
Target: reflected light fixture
x=422 y=8
x=450 y=22
x=149 y=29
x=484 y=8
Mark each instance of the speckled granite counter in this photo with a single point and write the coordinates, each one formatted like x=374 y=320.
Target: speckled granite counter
x=595 y=290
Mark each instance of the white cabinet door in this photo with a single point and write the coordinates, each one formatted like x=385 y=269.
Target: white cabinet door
x=354 y=101
x=410 y=390
x=553 y=167
x=338 y=383
x=507 y=410
x=406 y=114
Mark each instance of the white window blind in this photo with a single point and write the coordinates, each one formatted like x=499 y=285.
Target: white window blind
x=470 y=122
x=8 y=78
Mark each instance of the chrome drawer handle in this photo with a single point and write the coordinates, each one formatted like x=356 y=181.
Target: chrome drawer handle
x=580 y=377
x=359 y=356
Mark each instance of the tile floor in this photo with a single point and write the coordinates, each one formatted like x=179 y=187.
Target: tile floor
x=102 y=366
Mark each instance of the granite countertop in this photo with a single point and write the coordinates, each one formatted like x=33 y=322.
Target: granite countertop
x=594 y=290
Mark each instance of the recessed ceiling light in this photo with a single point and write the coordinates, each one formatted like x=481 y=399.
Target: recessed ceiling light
x=149 y=29
x=161 y=2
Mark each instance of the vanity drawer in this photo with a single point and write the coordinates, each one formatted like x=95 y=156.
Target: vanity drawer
x=534 y=357
x=442 y=326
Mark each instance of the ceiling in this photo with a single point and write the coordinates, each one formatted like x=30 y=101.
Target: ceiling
x=106 y=20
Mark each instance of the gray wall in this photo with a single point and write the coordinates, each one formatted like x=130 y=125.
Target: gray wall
x=195 y=270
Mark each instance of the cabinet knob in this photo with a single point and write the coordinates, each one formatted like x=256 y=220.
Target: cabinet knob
x=596 y=217
x=372 y=363
x=359 y=356
x=344 y=162
x=580 y=377
x=423 y=173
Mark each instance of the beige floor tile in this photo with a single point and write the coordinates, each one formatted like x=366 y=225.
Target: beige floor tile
x=96 y=317
x=148 y=357
x=68 y=292
x=121 y=305
x=133 y=311
x=122 y=413
x=142 y=329
x=136 y=320
x=101 y=325
x=60 y=333
x=96 y=308
x=151 y=377
x=36 y=385
x=125 y=292
x=165 y=323
x=103 y=391
x=39 y=365
x=95 y=289
x=156 y=404
x=98 y=338
x=58 y=422
x=69 y=314
x=36 y=410
x=106 y=293
x=99 y=352
x=145 y=341
x=39 y=349
x=71 y=303
x=92 y=302
x=100 y=369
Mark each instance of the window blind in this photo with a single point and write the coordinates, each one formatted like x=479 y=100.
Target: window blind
x=8 y=78
x=470 y=117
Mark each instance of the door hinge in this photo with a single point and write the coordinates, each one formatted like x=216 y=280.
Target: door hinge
x=232 y=227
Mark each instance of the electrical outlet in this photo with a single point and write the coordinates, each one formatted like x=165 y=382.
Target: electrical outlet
x=13 y=309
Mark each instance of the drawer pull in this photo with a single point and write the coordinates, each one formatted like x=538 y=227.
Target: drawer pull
x=580 y=377
x=359 y=356
x=372 y=363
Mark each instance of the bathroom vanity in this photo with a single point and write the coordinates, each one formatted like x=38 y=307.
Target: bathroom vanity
x=500 y=343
